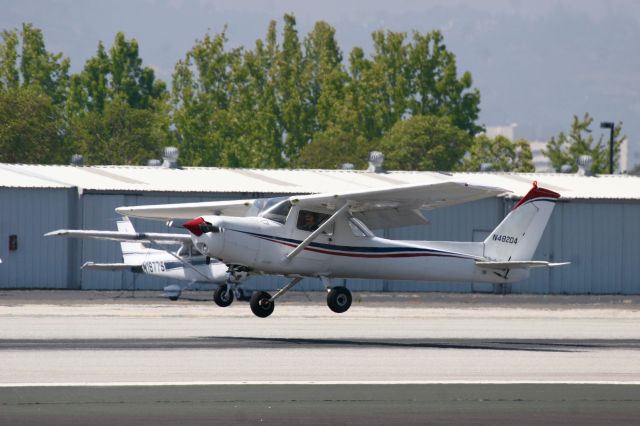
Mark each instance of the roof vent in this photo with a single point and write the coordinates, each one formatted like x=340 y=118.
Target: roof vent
x=170 y=157
x=486 y=167
x=347 y=166
x=154 y=162
x=376 y=158
x=566 y=168
x=77 y=160
x=584 y=165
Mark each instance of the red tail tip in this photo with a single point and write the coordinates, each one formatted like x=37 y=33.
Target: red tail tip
x=536 y=192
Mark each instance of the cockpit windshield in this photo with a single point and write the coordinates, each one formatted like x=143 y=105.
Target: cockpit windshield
x=276 y=209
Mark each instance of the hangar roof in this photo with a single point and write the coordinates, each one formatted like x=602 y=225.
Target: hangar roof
x=222 y=180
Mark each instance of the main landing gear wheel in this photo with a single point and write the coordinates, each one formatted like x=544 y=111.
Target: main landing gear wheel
x=339 y=299
x=222 y=297
x=261 y=304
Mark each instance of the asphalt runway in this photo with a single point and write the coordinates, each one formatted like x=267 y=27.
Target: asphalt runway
x=105 y=360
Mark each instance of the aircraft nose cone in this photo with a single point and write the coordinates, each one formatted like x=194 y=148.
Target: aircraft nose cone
x=193 y=226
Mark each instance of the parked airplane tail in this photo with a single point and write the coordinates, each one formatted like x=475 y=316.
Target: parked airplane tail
x=517 y=236
x=129 y=249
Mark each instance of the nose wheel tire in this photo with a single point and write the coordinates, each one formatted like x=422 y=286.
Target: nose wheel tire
x=222 y=297
x=261 y=305
x=339 y=299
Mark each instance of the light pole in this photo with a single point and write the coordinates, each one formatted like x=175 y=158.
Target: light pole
x=609 y=125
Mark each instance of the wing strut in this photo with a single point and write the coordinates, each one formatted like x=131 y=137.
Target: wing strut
x=293 y=253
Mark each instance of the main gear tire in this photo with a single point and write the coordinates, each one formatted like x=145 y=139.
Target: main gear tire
x=339 y=299
x=261 y=304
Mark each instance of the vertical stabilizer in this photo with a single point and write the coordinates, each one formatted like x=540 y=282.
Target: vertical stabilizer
x=129 y=248
x=518 y=235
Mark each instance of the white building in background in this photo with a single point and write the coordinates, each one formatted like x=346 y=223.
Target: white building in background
x=508 y=131
x=540 y=162
x=629 y=156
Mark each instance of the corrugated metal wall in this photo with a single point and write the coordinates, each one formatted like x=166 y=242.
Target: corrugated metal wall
x=38 y=262
x=601 y=239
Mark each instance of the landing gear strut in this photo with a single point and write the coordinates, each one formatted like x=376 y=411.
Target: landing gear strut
x=339 y=299
x=262 y=303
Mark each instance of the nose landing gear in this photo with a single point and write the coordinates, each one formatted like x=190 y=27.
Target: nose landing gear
x=223 y=295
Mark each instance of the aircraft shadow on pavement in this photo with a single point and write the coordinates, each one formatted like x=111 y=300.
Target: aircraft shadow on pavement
x=477 y=344
x=231 y=342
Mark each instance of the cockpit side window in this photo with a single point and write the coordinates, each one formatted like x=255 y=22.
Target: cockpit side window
x=278 y=212
x=358 y=228
x=310 y=221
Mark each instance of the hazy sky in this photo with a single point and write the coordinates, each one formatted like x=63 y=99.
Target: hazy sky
x=536 y=63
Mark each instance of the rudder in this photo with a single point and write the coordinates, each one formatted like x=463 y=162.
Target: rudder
x=518 y=235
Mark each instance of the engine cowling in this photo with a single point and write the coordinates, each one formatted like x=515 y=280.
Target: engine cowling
x=207 y=235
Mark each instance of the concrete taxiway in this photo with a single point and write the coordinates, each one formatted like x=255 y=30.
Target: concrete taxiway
x=402 y=357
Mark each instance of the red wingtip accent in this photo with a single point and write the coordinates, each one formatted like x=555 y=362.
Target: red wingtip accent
x=194 y=226
x=537 y=192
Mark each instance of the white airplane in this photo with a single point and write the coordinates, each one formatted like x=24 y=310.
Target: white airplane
x=184 y=264
x=328 y=236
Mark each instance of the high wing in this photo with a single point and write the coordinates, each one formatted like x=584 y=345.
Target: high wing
x=399 y=205
x=187 y=210
x=143 y=237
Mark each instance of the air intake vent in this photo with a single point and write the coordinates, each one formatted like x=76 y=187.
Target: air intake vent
x=376 y=158
x=77 y=160
x=170 y=157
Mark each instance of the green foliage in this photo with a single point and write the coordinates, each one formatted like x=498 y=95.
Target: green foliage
x=33 y=66
x=424 y=142
x=117 y=74
x=501 y=153
x=275 y=105
x=566 y=148
x=29 y=127
x=120 y=134
x=332 y=148
x=291 y=100
x=118 y=112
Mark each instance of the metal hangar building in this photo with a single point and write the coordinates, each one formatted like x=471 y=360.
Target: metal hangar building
x=596 y=224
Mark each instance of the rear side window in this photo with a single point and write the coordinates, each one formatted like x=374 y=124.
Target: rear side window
x=310 y=221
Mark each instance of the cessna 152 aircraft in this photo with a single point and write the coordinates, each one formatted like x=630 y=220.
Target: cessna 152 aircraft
x=328 y=236
x=185 y=264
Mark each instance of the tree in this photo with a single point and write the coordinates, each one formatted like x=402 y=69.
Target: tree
x=203 y=89
x=117 y=74
x=435 y=86
x=502 y=154
x=118 y=111
x=325 y=75
x=424 y=142
x=332 y=148
x=120 y=134
x=30 y=129
x=566 y=148
x=9 y=75
x=33 y=89
x=292 y=88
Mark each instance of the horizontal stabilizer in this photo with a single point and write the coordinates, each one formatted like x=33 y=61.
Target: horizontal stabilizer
x=106 y=266
x=143 y=237
x=518 y=264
